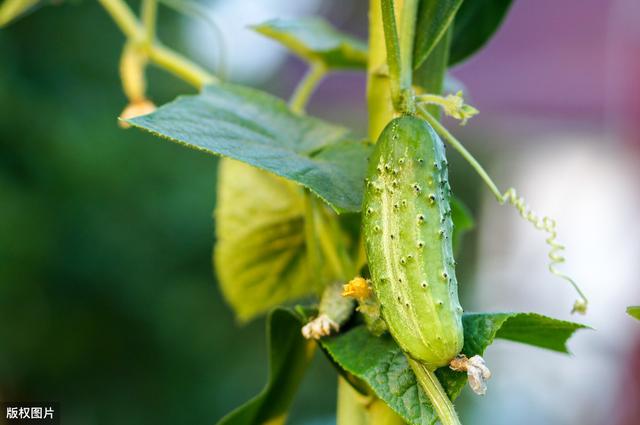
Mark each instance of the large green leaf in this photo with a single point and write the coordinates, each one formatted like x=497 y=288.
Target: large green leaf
x=434 y=17
x=289 y=356
x=314 y=39
x=380 y=362
x=259 y=129
x=634 y=311
x=260 y=255
x=475 y=23
x=13 y=9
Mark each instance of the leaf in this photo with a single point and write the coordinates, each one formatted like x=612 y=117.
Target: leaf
x=11 y=10
x=634 y=311
x=380 y=362
x=314 y=39
x=259 y=129
x=289 y=356
x=434 y=17
x=430 y=76
x=462 y=222
x=475 y=23
x=260 y=254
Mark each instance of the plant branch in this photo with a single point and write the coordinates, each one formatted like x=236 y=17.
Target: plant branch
x=437 y=396
x=149 y=15
x=306 y=87
x=124 y=18
x=157 y=53
x=180 y=66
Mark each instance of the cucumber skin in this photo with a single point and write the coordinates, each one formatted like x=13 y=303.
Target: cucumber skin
x=408 y=237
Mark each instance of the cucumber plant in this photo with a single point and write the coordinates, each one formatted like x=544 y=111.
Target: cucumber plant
x=366 y=227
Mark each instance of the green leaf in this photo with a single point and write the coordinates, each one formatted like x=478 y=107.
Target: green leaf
x=260 y=254
x=314 y=40
x=475 y=23
x=380 y=362
x=462 y=221
x=634 y=311
x=289 y=356
x=13 y=9
x=434 y=17
x=259 y=129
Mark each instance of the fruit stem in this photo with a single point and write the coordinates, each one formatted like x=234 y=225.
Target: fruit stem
x=437 y=396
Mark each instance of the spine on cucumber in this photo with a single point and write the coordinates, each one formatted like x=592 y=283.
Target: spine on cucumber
x=408 y=227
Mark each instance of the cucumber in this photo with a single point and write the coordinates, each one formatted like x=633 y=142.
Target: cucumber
x=408 y=234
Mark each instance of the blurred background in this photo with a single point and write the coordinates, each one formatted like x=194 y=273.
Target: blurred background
x=108 y=303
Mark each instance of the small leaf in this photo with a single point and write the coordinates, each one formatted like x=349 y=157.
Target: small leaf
x=11 y=10
x=462 y=221
x=259 y=129
x=634 y=311
x=475 y=23
x=434 y=17
x=260 y=254
x=314 y=39
x=289 y=357
x=380 y=362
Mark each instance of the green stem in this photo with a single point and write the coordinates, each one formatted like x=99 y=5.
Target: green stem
x=393 y=48
x=160 y=55
x=408 y=19
x=180 y=66
x=437 y=395
x=306 y=87
x=149 y=14
x=124 y=18
x=444 y=133
x=379 y=102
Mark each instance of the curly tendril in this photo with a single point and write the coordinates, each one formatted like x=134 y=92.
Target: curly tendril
x=545 y=223
x=548 y=225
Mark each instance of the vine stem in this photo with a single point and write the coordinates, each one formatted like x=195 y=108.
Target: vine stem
x=149 y=14
x=399 y=47
x=307 y=86
x=455 y=143
x=408 y=18
x=162 y=56
x=393 y=46
x=437 y=396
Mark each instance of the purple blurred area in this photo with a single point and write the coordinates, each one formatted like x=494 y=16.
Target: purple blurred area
x=565 y=60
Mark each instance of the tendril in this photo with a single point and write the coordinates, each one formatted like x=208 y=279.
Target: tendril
x=548 y=225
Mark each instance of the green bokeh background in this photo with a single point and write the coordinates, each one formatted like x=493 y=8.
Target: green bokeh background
x=108 y=303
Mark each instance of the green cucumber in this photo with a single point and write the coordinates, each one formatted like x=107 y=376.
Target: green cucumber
x=408 y=233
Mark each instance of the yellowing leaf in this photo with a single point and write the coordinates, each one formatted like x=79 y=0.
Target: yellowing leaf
x=260 y=255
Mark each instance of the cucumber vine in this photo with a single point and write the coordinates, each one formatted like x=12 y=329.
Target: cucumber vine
x=307 y=209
